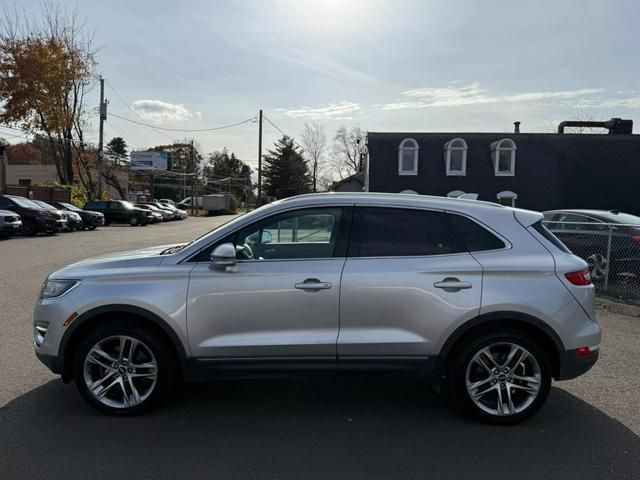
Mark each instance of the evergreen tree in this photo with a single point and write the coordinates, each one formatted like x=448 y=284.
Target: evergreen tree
x=118 y=146
x=285 y=173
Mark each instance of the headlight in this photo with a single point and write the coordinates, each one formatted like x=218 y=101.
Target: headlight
x=55 y=288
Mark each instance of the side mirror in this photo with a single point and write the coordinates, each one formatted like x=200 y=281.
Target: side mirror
x=223 y=256
x=266 y=237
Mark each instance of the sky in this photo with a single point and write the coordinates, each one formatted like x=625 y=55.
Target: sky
x=383 y=65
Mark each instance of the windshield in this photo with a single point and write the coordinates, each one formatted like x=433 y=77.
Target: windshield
x=127 y=204
x=71 y=207
x=42 y=204
x=25 y=202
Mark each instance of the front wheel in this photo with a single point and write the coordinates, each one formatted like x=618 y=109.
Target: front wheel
x=500 y=377
x=124 y=369
x=133 y=221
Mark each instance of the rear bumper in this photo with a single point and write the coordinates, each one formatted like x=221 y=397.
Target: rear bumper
x=573 y=365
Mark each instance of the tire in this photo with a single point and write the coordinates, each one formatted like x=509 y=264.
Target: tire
x=29 y=227
x=133 y=221
x=527 y=397
x=152 y=384
x=91 y=227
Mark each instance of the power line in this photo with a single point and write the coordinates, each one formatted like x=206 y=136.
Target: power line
x=278 y=128
x=133 y=109
x=183 y=129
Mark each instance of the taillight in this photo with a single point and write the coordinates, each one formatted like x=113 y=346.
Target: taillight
x=636 y=239
x=581 y=277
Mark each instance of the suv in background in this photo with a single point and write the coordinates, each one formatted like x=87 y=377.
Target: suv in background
x=90 y=220
x=586 y=234
x=74 y=222
x=120 y=211
x=34 y=218
x=10 y=223
x=400 y=284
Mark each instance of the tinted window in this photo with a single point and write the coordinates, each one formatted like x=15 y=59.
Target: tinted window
x=95 y=204
x=542 y=230
x=392 y=232
x=475 y=237
x=4 y=203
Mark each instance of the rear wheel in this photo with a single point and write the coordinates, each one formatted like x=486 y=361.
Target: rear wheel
x=91 y=227
x=598 y=266
x=133 y=221
x=500 y=377
x=122 y=369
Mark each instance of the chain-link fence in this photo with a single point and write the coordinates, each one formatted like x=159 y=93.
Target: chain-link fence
x=612 y=251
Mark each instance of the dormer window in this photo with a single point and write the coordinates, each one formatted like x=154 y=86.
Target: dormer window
x=408 y=157
x=503 y=156
x=455 y=157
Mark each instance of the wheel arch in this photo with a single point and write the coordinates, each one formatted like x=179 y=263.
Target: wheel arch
x=91 y=318
x=539 y=330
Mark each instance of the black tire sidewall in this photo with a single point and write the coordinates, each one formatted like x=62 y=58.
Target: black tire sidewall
x=29 y=227
x=158 y=345
x=456 y=375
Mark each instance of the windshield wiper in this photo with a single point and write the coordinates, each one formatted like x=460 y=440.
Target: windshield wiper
x=174 y=249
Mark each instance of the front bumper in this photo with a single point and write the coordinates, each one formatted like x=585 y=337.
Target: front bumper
x=11 y=228
x=91 y=220
x=573 y=365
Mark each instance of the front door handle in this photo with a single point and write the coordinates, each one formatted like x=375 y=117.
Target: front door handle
x=313 y=284
x=452 y=284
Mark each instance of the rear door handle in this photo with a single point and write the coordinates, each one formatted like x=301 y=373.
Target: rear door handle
x=453 y=284
x=313 y=284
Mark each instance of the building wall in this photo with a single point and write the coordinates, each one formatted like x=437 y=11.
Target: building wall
x=551 y=170
x=36 y=173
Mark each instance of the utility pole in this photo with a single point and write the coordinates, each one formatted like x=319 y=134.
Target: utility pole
x=103 y=118
x=259 y=159
x=193 y=180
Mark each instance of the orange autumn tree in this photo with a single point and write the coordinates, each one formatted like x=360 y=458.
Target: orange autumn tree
x=46 y=68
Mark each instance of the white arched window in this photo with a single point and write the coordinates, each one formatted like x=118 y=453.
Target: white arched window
x=408 y=157
x=455 y=157
x=503 y=156
x=507 y=198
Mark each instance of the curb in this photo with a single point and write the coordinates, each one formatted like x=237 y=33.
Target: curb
x=617 y=307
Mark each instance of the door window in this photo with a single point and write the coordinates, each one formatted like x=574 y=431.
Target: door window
x=397 y=232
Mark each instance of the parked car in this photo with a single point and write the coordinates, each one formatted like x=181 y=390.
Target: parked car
x=10 y=223
x=34 y=218
x=90 y=220
x=74 y=221
x=586 y=233
x=155 y=212
x=163 y=214
x=167 y=201
x=178 y=214
x=120 y=211
x=480 y=297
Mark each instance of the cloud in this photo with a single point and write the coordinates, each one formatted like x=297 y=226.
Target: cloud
x=157 y=111
x=456 y=95
x=333 y=111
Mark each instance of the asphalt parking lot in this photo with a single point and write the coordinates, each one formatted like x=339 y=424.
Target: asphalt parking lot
x=293 y=429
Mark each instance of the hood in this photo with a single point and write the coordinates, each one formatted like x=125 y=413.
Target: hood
x=133 y=258
x=91 y=213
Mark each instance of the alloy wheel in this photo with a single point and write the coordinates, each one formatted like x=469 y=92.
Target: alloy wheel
x=598 y=266
x=120 y=371
x=503 y=379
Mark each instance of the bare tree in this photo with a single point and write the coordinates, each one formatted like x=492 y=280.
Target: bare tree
x=348 y=151
x=314 y=141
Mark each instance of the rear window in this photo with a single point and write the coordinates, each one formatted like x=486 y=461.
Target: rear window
x=475 y=237
x=396 y=232
x=542 y=230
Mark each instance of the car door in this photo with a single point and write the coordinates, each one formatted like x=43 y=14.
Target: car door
x=281 y=299
x=405 y=283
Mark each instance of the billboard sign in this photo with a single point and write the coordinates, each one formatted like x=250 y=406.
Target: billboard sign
x=149 y=161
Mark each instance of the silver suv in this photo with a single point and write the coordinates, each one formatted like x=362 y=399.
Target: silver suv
x=479 y=298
